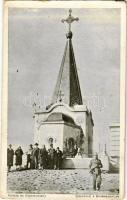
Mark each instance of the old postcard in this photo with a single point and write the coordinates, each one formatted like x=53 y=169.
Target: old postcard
x=63 y=108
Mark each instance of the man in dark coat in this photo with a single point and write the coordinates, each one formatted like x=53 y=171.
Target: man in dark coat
x=51 y=157
x=19 y=154
x=10 y=157
x=29 y=154
x=36 y=155
x=43 y=157
x=95 y=169
x=58 y=158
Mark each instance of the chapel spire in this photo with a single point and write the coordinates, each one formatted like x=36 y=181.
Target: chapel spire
x=67 y=88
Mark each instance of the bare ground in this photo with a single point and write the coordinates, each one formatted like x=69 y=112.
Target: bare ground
x=59 y=181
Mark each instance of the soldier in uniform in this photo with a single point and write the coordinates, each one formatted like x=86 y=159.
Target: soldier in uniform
x=10 y=157
x=36 y=155
x=95 y=169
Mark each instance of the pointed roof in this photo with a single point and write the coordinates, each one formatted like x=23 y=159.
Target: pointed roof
x=67 y=87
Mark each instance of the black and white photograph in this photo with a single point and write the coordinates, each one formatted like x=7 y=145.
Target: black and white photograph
x=64 y=97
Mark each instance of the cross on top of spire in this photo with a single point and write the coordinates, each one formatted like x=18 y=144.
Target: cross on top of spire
x=69 y=20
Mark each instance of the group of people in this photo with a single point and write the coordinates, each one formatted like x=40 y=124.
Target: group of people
x=37 y=158
x=40 y=158
x=10 y=157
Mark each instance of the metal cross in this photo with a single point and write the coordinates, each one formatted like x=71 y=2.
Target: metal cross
x=70 y=19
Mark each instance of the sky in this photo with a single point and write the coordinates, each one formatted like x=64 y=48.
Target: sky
x=36 y=46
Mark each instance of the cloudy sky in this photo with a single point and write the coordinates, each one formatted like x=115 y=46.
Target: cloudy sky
x=36 y=45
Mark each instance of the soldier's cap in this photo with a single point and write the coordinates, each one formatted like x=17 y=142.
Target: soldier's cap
x=30 y=145
x=36 y=144
x=10 y=145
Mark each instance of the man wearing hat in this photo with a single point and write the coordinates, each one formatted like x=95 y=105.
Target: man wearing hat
x=36 y=155
x=95 y=169
x=10 y=157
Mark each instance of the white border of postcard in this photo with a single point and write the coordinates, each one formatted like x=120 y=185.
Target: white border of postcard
x=62 y=4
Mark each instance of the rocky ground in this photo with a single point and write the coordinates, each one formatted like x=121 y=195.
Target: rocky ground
x=59 y=181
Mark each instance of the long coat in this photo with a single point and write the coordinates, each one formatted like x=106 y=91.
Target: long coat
x=35 y=157
x=18 y=154
x=51 y=158
x=10 y=156
x=43 y=157
x=58 y=158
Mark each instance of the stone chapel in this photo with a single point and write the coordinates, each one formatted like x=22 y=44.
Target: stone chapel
x=66 y=123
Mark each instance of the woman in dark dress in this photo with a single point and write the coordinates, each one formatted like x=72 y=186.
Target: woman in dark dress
x=10 y=157
x=18 y=153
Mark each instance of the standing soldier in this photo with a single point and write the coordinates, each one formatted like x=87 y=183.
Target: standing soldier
x=51 y=156
x=95 y=169
x=19 y=154
x=29 y=157
x=36 y=155
x=58 y=158
x=43 y=157
x=10 y=157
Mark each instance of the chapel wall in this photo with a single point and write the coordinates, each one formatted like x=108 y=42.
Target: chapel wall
x=50 y=130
